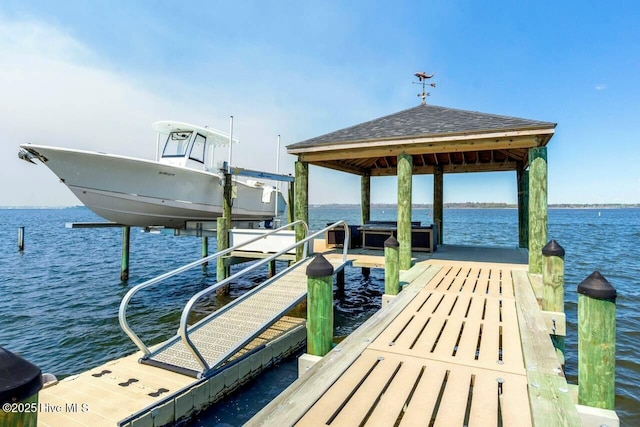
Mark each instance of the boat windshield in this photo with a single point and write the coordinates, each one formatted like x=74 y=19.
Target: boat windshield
x=177 y=144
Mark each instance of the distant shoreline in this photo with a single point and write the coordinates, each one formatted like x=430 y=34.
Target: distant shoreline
x=485 y=205
x=468 y=205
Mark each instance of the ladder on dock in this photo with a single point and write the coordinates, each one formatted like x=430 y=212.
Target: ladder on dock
x=200 y=349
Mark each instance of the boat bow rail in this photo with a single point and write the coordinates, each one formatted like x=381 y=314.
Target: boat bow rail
x=237 y=323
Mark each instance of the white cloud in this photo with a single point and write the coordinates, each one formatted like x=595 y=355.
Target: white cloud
x=54 y=93
x=601 y=86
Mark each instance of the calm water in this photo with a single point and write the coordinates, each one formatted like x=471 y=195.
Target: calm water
x=60 y=297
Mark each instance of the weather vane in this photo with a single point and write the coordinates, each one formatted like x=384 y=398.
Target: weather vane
x=423 y=77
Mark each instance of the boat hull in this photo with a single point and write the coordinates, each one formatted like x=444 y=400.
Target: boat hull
x=145 y=193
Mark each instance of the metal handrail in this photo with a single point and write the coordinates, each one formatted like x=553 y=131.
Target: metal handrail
x=122 y=313
x=183 y=330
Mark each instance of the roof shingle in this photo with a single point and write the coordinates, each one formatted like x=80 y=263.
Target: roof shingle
x=424 y=120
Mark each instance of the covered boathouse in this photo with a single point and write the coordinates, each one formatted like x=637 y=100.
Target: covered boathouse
x=429 y=139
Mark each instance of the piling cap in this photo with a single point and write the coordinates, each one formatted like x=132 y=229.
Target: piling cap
x=19 y=379
x=553 y=248
x=596 y=286
x=319 y=267
x=391 y=242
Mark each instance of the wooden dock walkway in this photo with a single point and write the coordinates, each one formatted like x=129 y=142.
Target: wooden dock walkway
x=463 y=344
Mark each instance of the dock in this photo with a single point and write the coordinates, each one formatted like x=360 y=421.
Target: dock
x=463 y=344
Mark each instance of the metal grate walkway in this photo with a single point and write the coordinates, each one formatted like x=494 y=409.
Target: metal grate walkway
x=223 y=333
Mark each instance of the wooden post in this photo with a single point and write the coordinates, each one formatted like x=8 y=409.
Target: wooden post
x=438 y=202
x=205 y=249
x=227 y=206
x=20 y=383
x=319 y=306
x=291 y=204
x=124 y=264
x=301 y=202
x=366 y=271
x=365 y=197
x=222 y=237
x=523 y=206
x=537 y=207
x=405 y=169
x=596 y=342
x=271 y=269
x=553 y=285
x=20 y=239
x=391 y=271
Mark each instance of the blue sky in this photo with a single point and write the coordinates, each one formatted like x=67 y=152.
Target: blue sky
x=94 y=75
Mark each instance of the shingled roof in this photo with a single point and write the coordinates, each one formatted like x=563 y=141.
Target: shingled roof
x=424 y=120
x=457 y=140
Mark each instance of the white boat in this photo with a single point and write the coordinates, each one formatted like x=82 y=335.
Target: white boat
x=182 y=185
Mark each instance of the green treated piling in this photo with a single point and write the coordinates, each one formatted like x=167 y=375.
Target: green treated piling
x=124 y=264
x=222 y=236
x=391 y=271
x=20 y=239
x=290 y=210
x=405 y=168
x=438 y=203
x=553 y=285
x=205 y=249
x=523 y=206
x=537 y=207
x=596 y=342
x=20 y=382
x=365 y=197
x=319 y=306
x=301 y=202
x=271 y=268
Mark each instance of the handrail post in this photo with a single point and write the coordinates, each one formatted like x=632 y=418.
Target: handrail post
x=553 y=285
x=391 y=271
x=319 y=306
x=596 y=342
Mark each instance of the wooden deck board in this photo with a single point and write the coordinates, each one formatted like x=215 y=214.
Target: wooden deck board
x=454 y=354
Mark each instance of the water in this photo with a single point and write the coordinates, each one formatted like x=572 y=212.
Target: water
x=60 y=297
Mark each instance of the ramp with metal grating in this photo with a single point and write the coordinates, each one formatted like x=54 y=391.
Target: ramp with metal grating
x=223 y=333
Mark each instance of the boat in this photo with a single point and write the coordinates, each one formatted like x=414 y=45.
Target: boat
x=182 y=184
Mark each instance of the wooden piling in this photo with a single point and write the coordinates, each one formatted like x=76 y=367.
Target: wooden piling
x=522 y=177
x=291 y=204
x=271 y=268
x=405 y=169
x=20 y=239
x=319 y=306
x=391 y=271
x=553 y=285
x=20 y=383
x=301 y=202
x=366 y=271
x=205 y=249
x=124 y=264
x=222 y=237
x=537 y=207
x=596 y=342
x=365 y=197
x=438 y=202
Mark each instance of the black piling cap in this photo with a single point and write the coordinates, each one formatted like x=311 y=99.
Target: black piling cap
x=319 y=267
x=19 y=379
x=553 y=248
x=391 y=242
x=596 y=286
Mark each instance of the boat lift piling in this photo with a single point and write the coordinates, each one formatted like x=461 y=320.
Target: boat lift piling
x=20 y=239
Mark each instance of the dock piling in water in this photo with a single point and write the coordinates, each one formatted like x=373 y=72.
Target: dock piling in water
x=553 y=285
x=405 y=167
x=20 y=382
x=319 y=306
x=391 y=271
x=124 y=265
x=20 y=239
x=596 y=342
